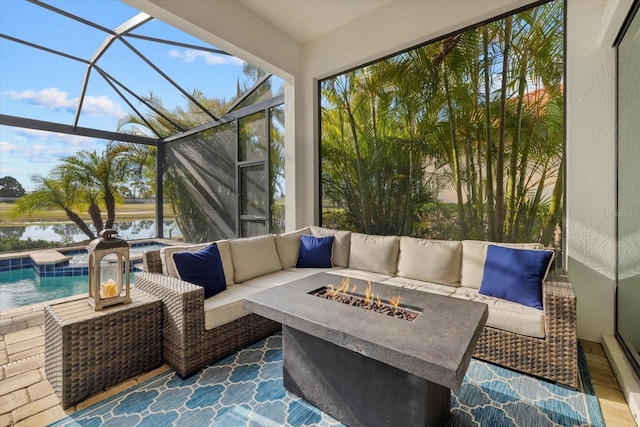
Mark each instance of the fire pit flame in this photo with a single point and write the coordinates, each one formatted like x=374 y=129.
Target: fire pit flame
x=367 y=292
x=395 y=301
x=369 y=301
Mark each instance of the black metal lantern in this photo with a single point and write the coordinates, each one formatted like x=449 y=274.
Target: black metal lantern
x=109 y=278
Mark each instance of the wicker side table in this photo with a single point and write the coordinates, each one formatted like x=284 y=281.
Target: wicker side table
x=87 y=351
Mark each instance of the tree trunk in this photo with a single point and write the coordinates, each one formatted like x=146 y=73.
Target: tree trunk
x=454 y=156
x=500 y=208
x=554 y=209
x=480 y=200
x=364 y=197
x=80 y=223
x=491 y=213
x=110 y=203
x=96 y=217
x=512 y=196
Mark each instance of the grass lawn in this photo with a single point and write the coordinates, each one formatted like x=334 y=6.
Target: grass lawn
x=129 y=211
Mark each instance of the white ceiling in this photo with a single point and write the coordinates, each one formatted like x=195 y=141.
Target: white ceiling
x=305 y=20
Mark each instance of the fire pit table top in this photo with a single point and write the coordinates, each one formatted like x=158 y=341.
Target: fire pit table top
x=437 y=345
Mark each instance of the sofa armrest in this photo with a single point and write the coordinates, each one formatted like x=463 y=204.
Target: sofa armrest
x=183 y=313
x=559 y=303
x=555 y=357
x=152 y=262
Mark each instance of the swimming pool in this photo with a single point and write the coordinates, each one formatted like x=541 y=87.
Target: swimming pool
x=25 y=286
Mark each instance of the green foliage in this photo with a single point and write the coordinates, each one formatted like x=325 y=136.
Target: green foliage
x=10 y=187
x=87 y=181
x=336 y=219
x=437 y=220
x=12 y=244
x=475 y=120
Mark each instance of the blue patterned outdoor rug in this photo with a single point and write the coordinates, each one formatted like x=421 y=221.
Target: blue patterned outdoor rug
x=246 y=389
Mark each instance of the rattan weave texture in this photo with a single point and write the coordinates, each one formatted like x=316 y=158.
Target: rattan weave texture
x=554 y=358
x=87 y=351
x=188 y=346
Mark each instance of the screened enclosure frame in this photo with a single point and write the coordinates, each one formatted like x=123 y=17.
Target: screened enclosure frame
x=120 y=33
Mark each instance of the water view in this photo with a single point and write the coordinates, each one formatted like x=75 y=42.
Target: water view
x=65 y=233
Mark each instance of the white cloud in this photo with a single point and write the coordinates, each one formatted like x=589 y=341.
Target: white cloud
x=101 y=105
x=6 y=147
x=32 y=153
x=190 y=55
x=75 y=140
x=56 y=99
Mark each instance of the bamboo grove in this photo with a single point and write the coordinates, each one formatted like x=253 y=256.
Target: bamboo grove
x=459 y=138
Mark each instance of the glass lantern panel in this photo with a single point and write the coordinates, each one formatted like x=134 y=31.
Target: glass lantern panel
x=110 y=277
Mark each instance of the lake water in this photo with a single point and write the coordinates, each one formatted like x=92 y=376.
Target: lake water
x=70 y=233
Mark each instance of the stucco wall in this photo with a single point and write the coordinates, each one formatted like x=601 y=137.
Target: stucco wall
x=591 y=168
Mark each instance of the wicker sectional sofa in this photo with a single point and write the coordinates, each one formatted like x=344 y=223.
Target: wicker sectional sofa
x=199 y=331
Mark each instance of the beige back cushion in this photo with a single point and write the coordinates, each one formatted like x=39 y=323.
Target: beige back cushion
x=288 y=245
x=224 y=247
x=341 y=244
x=474 y=253
x=436 y=261
x=169 y=265
x=378 y=254
x=254 y=256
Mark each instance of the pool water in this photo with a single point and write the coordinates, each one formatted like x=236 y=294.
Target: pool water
x=23 y=287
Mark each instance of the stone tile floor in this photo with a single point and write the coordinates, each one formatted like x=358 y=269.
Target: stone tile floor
x=27 y=398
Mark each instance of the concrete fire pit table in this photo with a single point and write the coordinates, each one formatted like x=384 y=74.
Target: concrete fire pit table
x=365 y=368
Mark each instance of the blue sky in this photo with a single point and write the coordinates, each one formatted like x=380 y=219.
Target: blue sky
x=43 y=86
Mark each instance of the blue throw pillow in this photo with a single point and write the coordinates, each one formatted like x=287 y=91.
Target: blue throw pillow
x=315 y=252
x=515 y=274
x=203 y=268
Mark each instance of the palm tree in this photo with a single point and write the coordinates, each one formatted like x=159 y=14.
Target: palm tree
x=100 y=172
x=52 y=193
x=465 y=107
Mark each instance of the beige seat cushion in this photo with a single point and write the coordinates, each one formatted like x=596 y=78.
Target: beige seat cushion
x=169 y=265
x=288 y=245
x=226 y=306
x=281 y=277
x=420 y=285
x=341 y=244
x=507 y=315
x=474 y=254
x=378 y=254
x=361 y=274
x=254 y=256
x=435 y=261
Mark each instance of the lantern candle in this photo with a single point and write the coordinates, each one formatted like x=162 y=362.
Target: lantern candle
x=108 y=289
